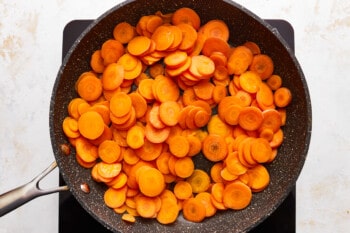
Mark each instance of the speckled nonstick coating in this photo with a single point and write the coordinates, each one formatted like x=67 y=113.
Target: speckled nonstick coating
x=244 y=26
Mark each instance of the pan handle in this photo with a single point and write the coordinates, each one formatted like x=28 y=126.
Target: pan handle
x=21 y=195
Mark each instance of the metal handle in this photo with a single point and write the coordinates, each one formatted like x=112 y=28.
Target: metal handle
x=21 y=195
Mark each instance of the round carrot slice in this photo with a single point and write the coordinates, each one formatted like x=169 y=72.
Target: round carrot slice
x=250 y=118
x=91 y=125
x=214 y=148
x=237 y=196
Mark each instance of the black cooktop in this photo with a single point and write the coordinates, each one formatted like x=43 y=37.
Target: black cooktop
x=74 y=219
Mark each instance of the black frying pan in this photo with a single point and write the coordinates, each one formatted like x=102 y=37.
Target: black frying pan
x=244 y=26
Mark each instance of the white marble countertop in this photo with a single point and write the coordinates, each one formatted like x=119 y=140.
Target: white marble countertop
x=30 y=56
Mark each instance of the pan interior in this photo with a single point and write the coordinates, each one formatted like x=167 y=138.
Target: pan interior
x=244 y=26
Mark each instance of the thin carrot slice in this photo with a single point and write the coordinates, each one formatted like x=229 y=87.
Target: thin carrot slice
x=205 y=199
x=214 y=148
x=237 y=196
x=145 y=89
x=135 y=137
x=154 y=117
x=70 y=127
x=184 y=167
x=89 y=87
x=254 y=47
x=179 y=146
x=216 y=28
x=231 y=114
x=151 y=182
x=109 y=151
x=271 y=119
x=156 y=69
x=186 y=15
x=124 y=32
x=204 y=90
x=215 y=172
x=189 y=36
x=183 y=190
x=261 y=150
x=217 y=190
x=145 y=206
x=156 y=135
x=216 y=126
x=128 y=218
x=250 y=81
x=96 y=62
x=169 y=112
x=85 y=150
x=149 y=151
x=111 y=51
x=250 y=118
x=168 y=212
x=139 y=103
x=215 y=44
x=282 y=97
x=194 y=210
x=277 y=139
x=202 y=67
x=175 y=59
x=164 y=37
x=120 y=104
x=274 y=82
x=115 y=198
x=233 y=164
x=259 y=178
x=91 y=125
x=113 y=76
x=199 y=181
x=239 y=60
x=263 y=65
x=139 y=45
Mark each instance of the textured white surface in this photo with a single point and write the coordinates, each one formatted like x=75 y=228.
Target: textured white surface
x=30 y=56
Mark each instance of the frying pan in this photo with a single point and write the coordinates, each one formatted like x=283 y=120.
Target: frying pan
x=244 y=25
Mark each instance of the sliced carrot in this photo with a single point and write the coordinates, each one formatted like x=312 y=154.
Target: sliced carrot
x=204 y=90
x=215 y=44
x=128 y=218
x=183 y=190
x=164 y=37
x=194 y=210
x=239 y=60
x=156 y=135
x=115 y=198
x=195 y=145
x=227 y=176
x=215 y=172
x=177 y=71
x=250 y=81
x=70 y=127
x=111 y=51
x=120 y=104
x=184 y=167
x=189 y=36
x=216 y=28
x=277 y=139
x=199 y=181
x=205 y=199
x=139 y=104
x=168 y=212
x=231 y=114
x=151 y=182
x=216 y=126
x=234 y=165
x=149 y=151
x=271 y=120
x=96 y=62
x=202 y=67
x=250 y=118
x=130 y=157
x=219 y=59
x=109 y=151
x=113 y=76
x=145 y=89
x=85 y=150
x=162 y=162
x=132 y=66
x=282 y=97
x=217 y=190
x=166 y=89
x=259 y=178
x=237 y=196
x=179 y=146
x=89 y=87
x=254 y=47
x=274 y=82
x=91 y=125
x=186 y=15
x=124 y=32
x=263 y=65
x=145 y=206
x=261 y=150
x=214 y=148
x=119 y=181
x=139 y=45
x=175 y=59
x=135 y=137
x=169 y=112
x=156 y=69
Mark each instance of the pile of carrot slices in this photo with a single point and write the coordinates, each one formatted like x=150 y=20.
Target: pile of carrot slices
x=163 y=91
